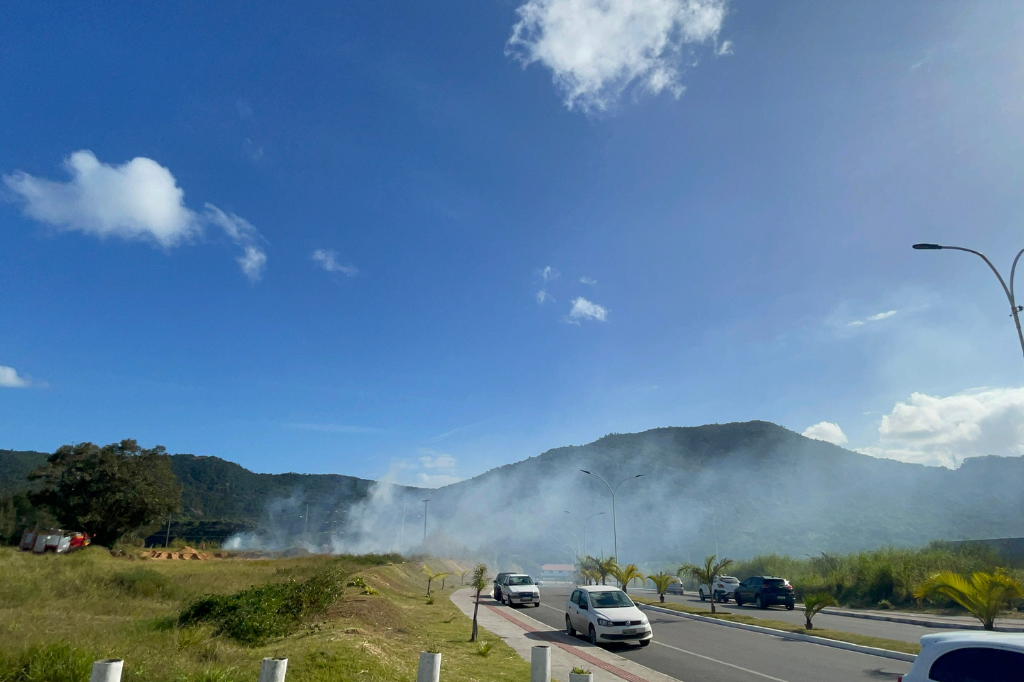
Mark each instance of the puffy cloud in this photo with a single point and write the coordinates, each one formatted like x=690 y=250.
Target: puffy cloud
x=439 y=461
x=424 y=480
x=826 y=431
x=328 y=260
x=582 y=309
x=549 y=273
x=543 y=297
x=9 y=378
x=595 y=49
x=872 y=318
x=939 y=431
x=588 y=280
x=139 y=199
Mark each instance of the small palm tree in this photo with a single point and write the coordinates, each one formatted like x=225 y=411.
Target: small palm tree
x=442 y=577
x=462 y=576
x=627 y=575
x=813 y=603
x=590 y=574
x=661 y=582
x=705 y=573
x=984 y=595
x=430 y=577
x=479 y=584
x=605 y=566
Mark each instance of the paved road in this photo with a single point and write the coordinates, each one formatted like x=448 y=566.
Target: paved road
x=693 y=651
x=858 y=626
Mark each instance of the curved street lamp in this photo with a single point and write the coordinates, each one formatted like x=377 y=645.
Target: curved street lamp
x=1008 y=290
x=615 y=532
x=584 y=520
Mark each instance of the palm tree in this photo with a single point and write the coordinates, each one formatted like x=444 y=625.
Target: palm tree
x=479 y=584
x=627 y=575
x=590 y=574
x=705 y=573
x=462 y=576
x=984 y=595
x=605 y=566
x=813 y=603
x=443 y=577
x=430 y=577
x=661 y=582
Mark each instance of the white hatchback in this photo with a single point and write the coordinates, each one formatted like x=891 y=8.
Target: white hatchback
x=969 y=657
x=606 y=614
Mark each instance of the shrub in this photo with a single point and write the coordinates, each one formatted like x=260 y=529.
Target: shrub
x=143 y=582
x=258 y=614
x=484 y=648
x=885 y=605
x=52 y=663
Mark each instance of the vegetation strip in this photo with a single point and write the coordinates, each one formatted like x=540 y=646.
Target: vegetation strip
x=878 y=646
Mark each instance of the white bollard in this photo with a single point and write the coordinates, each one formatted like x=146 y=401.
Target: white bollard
x=107 y=670
x=540 y=664
x=273 y=669
x=430 y=667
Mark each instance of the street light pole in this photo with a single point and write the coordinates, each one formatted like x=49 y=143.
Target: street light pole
x=1008 y=290
x=584 y=520
x=425 y=522
x=615 y=531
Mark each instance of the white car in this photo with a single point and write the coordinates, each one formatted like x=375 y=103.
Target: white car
x=722 y=589
x=968 y=657
x=519 y=588
x=606 y=614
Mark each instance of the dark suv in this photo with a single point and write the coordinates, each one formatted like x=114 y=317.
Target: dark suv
x=499 y=580
x=764 y=590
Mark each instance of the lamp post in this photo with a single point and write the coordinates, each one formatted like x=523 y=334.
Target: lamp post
x=584 y=520
x=425 y=522
x=615 y=531
x=1008 y=290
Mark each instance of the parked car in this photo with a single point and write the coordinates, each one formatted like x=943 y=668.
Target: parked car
x=764 y=590
x=675 y=588
x=721 y=589
x=40 y=540
x=519 y=588
x=968 y=657
x=606 y=614
x=498 y=579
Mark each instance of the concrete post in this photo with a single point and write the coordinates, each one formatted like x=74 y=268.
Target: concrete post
x=540 y=664
x=107 y=670
x=273 y=669
x=430 y=667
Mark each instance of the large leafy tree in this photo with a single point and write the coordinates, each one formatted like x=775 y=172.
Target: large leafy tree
x=706 y=572
x=984 y=594
x=107 y=491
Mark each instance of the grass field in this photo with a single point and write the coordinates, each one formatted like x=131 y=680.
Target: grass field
x=59 y=613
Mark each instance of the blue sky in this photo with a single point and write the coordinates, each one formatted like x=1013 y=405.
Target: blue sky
x=312 y=237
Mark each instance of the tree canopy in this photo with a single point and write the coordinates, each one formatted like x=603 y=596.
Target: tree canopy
x=107 y=491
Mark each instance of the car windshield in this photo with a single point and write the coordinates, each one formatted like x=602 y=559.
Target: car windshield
x=520 y=580
x=610 y=600
x=775 y=582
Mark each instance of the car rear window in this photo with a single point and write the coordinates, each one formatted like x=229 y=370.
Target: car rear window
x=774 y=582
x=978 y=664
x=731 y=581
x=520 y=580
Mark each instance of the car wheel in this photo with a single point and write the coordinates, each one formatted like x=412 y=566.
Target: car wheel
x=700 y=593
x=790 y=606
x=536 y=605
x=593 y=635
x=739 y=602
x=644 y=642
x=758 y=603
x=569 y=629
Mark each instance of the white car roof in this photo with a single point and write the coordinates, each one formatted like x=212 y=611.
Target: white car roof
x=599 y=588
x=1008 y=640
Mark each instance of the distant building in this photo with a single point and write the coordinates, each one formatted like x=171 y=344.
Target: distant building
x=556 y=573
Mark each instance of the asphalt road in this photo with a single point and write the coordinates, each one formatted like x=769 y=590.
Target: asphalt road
x=858 y=626
x=692 y=651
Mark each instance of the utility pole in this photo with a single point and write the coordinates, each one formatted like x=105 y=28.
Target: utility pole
x=401 y=535
x=167 y=538
x=305 y=523
x=425 y=521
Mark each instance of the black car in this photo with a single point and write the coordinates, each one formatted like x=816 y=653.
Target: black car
x=499 y=580
x=764 y=590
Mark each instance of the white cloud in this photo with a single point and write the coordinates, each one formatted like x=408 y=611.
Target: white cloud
x=439 y=461
x=9 y=378
x=724 y=49
x=139 y=199
x=328 y=260
x=549 y=273
x=588 y=280
x=826 y=431
x=424 y=480
x=938 y=431
x=872 y=318
x=595 y=49
x=543 y=297
x=582 y=309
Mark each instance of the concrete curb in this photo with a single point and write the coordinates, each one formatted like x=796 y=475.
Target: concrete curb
x=859 y=648
x=911 y=620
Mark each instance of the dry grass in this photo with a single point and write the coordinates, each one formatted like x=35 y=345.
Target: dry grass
x=97 y=606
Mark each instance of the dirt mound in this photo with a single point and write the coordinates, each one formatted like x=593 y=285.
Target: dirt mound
x=376 y=612
x=184 y=554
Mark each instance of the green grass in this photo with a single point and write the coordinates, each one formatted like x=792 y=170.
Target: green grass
x=60 y=613
x=863 y=640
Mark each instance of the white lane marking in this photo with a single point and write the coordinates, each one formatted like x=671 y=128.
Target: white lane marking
x=715 y=660
x=706 y=658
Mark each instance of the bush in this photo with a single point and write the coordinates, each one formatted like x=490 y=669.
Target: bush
x=51 y=663
x=143 y=582
x=258 y=614
x=885 y=605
